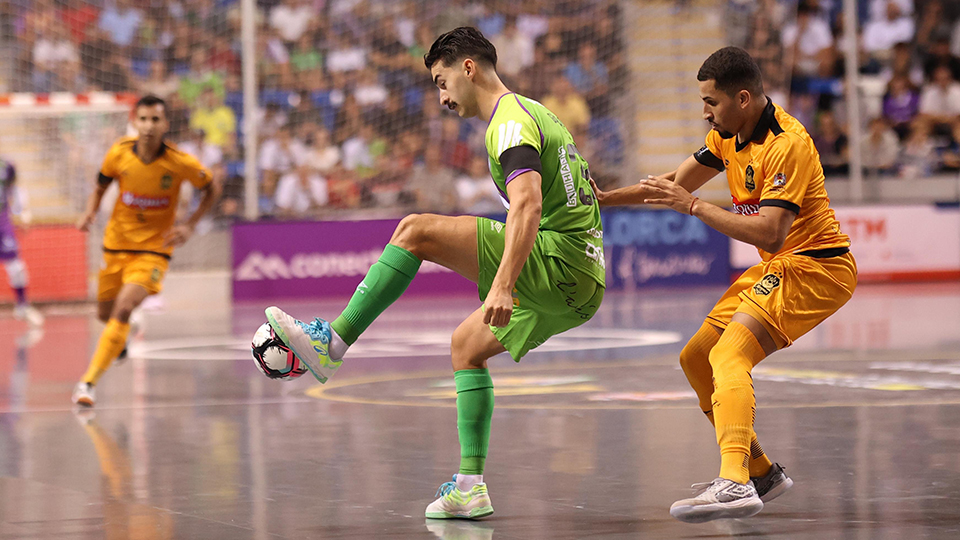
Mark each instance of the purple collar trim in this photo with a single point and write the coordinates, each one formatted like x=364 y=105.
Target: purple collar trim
x=497 y=105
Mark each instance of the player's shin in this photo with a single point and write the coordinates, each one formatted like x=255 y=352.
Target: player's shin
x=474 y=412
x=734 y=403
x=386 y=280
x=112 y=341
x=695 y=362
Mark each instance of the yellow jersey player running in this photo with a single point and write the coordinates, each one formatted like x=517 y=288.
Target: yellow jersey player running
x=807 y=272
x=141 y=233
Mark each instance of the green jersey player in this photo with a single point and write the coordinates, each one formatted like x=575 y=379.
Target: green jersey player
x=540 y=274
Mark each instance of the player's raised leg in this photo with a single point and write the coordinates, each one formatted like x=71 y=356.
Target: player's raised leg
x=112 y=341
x=466 y=496
x=448 y=241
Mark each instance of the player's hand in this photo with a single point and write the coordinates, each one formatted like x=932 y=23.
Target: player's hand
x=667 y=193
x=177 y=235
x=86 y=221
x=498 y=307
x=597 y=193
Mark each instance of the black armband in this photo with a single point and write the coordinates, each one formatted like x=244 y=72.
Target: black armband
x=706 y=158
x=104 y=180
x=518 y=160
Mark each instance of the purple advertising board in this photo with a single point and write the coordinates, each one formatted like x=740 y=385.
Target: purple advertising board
x=321 y=258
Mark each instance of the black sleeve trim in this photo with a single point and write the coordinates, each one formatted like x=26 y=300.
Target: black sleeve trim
x=104 y=180
x=706 y=158
x=518 y=158
x=793 y=207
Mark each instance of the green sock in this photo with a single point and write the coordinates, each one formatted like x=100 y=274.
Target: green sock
x=474 y=410
x=384 y=283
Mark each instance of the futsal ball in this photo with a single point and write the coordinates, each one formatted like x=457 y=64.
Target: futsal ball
x=273 y=358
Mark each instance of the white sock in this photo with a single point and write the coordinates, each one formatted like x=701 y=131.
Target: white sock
x=338 y=347
x=467 y=481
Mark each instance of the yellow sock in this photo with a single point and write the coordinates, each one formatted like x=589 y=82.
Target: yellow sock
x=759 y=462
x=734 y=404
x=112 y=341
x=695 y=361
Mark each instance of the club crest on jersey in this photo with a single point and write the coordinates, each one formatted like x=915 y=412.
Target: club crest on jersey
x=748 y=179
x=166 y=181
x=767 y=284
x=779 y=180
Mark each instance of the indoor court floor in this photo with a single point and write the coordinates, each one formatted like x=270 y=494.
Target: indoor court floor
x=594 y=435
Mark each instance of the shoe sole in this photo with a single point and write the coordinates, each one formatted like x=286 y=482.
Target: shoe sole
x=84 y=402
x=476 y=513
x=278 y=330
x=777 y=490
x=710 y=512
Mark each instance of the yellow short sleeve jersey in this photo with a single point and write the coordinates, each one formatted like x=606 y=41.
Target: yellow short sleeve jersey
x=778 y=166
x=147 y=205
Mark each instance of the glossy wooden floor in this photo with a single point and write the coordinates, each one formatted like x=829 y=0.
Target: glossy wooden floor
x=594 y=436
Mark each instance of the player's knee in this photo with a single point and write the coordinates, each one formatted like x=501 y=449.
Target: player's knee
x=689 y=357
x=409 y=233
x=462 y=353
x=122 y=313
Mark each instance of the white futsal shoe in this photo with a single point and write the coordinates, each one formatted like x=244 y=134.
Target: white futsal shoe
x=719 y=499
x=84 y=395
x=26 y=312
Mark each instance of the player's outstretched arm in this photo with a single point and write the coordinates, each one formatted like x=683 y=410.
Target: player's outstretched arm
x=767 y=231
x=523 y=222
x=93 y=204
x=690 y=175
x=181 y=233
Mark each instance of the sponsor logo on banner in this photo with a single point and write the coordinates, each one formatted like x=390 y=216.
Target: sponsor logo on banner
x=663 y=249
x=329 y=259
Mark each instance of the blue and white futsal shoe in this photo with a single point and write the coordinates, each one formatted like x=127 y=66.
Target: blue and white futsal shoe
x=309 y=342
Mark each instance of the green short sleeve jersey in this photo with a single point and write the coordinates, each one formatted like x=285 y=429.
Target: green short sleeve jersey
x=570 y=224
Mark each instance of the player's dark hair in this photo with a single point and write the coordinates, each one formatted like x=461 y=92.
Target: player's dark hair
x=732 y=69
x=150 y=100
x=460 y=43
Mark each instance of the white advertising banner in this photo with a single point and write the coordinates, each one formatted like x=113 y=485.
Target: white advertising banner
x=892 y=243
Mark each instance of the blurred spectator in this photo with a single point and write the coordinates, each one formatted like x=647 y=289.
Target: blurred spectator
x=902 y=64
x=590 y=77
x=210 y=155
x=160 y=83
x=200 y=78
x=939 y=55
x=394 y=117
x=116 y=75
x=878 y=8
x=273 y=64
x=345 y=56
x=322 y=155
x=918 y=156
x=456 y=151
x=299 y=191
x=271 y=118
x=215 y=119
x=808 y=42
x=517 y=50
x=940 y=99
x=121 y=20
x=532 y=20
x=881 y=147
x=368 y=91
x=932 y=25
x=432 y=184
x=879 y=36
x=765 y=46
x=389 y=56
x=349 y=118
x=357 y=154
x=476 y=191
x=832 y=144
x=279 y=155
x=292 y=19
x=306 y=63
x=901 y=104
x=51 y=51
x=78 y=15
x=569 y=107
x=405 y=22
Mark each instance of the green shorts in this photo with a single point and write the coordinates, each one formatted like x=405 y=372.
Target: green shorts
x=548 y=298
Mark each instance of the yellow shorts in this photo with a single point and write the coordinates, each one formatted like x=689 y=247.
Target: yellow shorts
x=791 y=293
x=120 y=268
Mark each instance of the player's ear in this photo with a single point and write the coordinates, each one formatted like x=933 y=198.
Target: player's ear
x=744 y=98
x=469 y=68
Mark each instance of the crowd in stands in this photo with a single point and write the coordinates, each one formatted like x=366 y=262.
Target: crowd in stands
x=348 y=116
x=909 y=53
